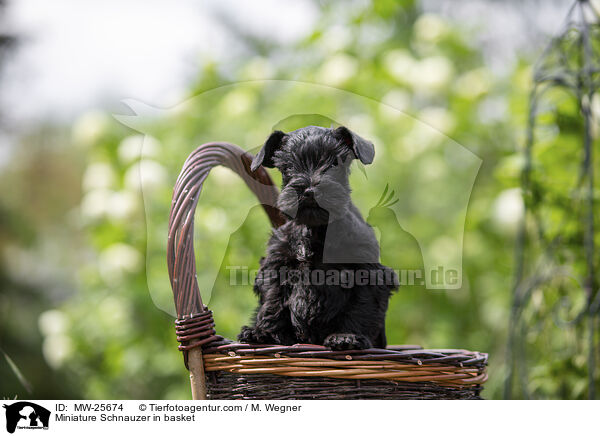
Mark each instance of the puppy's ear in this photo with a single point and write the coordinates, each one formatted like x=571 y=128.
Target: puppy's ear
x=363 y=149
x=265 y=155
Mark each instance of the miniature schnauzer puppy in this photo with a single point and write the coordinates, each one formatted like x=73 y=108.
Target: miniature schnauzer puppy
x=321 y=281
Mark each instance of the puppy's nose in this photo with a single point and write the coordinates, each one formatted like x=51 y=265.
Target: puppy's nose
x=308 y=194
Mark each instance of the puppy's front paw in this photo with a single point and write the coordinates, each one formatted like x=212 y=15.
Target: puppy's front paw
x=247 y=335
x=251 y=335
x=347 y=341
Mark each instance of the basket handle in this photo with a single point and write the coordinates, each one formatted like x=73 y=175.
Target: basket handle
x=180 y=246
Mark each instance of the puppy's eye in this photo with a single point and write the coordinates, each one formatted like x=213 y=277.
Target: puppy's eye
x=331 y=165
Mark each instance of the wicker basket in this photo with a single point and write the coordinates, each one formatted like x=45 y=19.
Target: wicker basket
x=223 y=369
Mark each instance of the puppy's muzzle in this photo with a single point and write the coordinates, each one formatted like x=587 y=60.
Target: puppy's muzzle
x=307 y=198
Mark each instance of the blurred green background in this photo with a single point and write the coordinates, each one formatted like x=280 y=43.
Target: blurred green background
x=82 y=250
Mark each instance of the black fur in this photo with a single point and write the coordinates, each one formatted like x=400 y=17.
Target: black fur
x=325 y=232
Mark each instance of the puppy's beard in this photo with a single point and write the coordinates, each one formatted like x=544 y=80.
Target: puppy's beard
x=330 y=203
x=312 y=215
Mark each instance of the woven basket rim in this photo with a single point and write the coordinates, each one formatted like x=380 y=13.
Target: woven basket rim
x=400 y=363
x=350 y=367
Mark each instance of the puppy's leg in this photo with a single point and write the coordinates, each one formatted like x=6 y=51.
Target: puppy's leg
x=362 y=324
x=381 y=340
x=271 y=326
x=272 y=322
x=250 y=335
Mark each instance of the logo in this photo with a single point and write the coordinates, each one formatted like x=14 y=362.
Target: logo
x=26 y=415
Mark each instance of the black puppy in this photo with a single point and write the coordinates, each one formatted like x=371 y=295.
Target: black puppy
x=321 y=281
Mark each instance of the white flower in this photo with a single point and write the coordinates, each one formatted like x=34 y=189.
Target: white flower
x=419 y=138
x=238 y=102
x=96 y=203
x=122 y=204
x=508 y=209
x=212 y=219
x=113 y=310
x=400 y=64
x=52 y=322
x=98 y=175
x=57 y=346
x=431 y=73
x=258 y=68
x=117 y=260
x=434 y=168
x=134 y=147
x=336 y=38
x=224 y=175
x=428 y=74
x=445 y=251
x=130 y=148
x=362 y=124
x=430 y=28
x=57 y=349
x=439 y=118
x=337 y=70
x=101 y=203
x=89 y=127
x=473 y=83
x=146 y=173
x=394 y=102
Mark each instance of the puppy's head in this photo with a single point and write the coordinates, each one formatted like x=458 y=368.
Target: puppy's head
x=315 y=165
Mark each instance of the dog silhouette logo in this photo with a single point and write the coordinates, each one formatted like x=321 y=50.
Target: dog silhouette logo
x=26 y=415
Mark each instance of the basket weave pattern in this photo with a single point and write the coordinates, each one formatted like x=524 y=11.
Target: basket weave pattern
x=228 y=386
